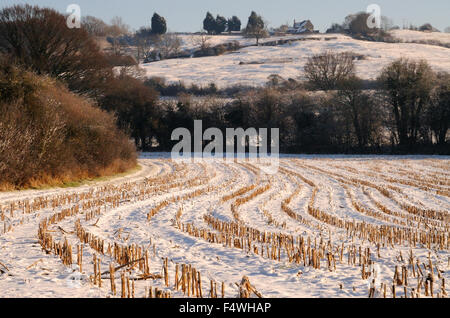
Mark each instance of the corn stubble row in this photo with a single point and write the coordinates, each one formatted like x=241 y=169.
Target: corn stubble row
x=129 y=264
x=130 y=258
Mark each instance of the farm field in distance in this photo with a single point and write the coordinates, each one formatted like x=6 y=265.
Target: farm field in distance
x=323 y=226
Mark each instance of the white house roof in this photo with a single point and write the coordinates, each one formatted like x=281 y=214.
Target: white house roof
x=300 y=27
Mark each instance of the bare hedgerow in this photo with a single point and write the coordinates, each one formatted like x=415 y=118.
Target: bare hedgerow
x=325 y=71
x=51 y=136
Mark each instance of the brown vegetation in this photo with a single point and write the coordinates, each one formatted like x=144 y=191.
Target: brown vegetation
x=51 y=136
x=39 y=39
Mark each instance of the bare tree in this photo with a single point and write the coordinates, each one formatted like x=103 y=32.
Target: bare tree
x=359 y=110
x=168 y=45
x=386 y=23
x=325 y=71
x=118 y=26
x=94 y=26
x=202 y=41
x=282 y=28
x=145 y=43
x=438 y=114
x=117 y=29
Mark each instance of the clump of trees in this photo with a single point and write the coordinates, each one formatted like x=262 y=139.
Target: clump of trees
x=157 y=29
x=95 y=26
x=256 y=27
x=118 y=34
x=412 y=97
x=336 y=28
x=40 y=40
x=176 y=89
x=136 y=108
x=155 y=43
x=408 y=87
x=220 y=24
x=148 y=40
x=168 y=45
x=357 y=26
x=427 y=27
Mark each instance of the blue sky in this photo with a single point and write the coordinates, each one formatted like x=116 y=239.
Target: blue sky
x=187 y=15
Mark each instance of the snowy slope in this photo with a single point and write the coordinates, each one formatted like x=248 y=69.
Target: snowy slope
x=411 y=35
x=288 y=61
x=193 y=41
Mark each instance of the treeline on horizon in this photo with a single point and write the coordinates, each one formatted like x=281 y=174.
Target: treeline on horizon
x=65 y=112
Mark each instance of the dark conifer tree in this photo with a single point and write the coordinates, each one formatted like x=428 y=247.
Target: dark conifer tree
x=221 y=24
x=159 y=25
x=234 y=24
x=209 y=23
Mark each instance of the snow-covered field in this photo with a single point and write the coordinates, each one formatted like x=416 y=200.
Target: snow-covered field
x=194 y=41
x=253 y=65
x=411 y=35
x=325 y=226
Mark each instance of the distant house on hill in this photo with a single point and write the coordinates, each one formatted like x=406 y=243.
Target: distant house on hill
x=301 y=27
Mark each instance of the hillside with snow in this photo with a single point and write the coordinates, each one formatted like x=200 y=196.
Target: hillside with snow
x=411 y=35
x=253 y=65
x=191 y=42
